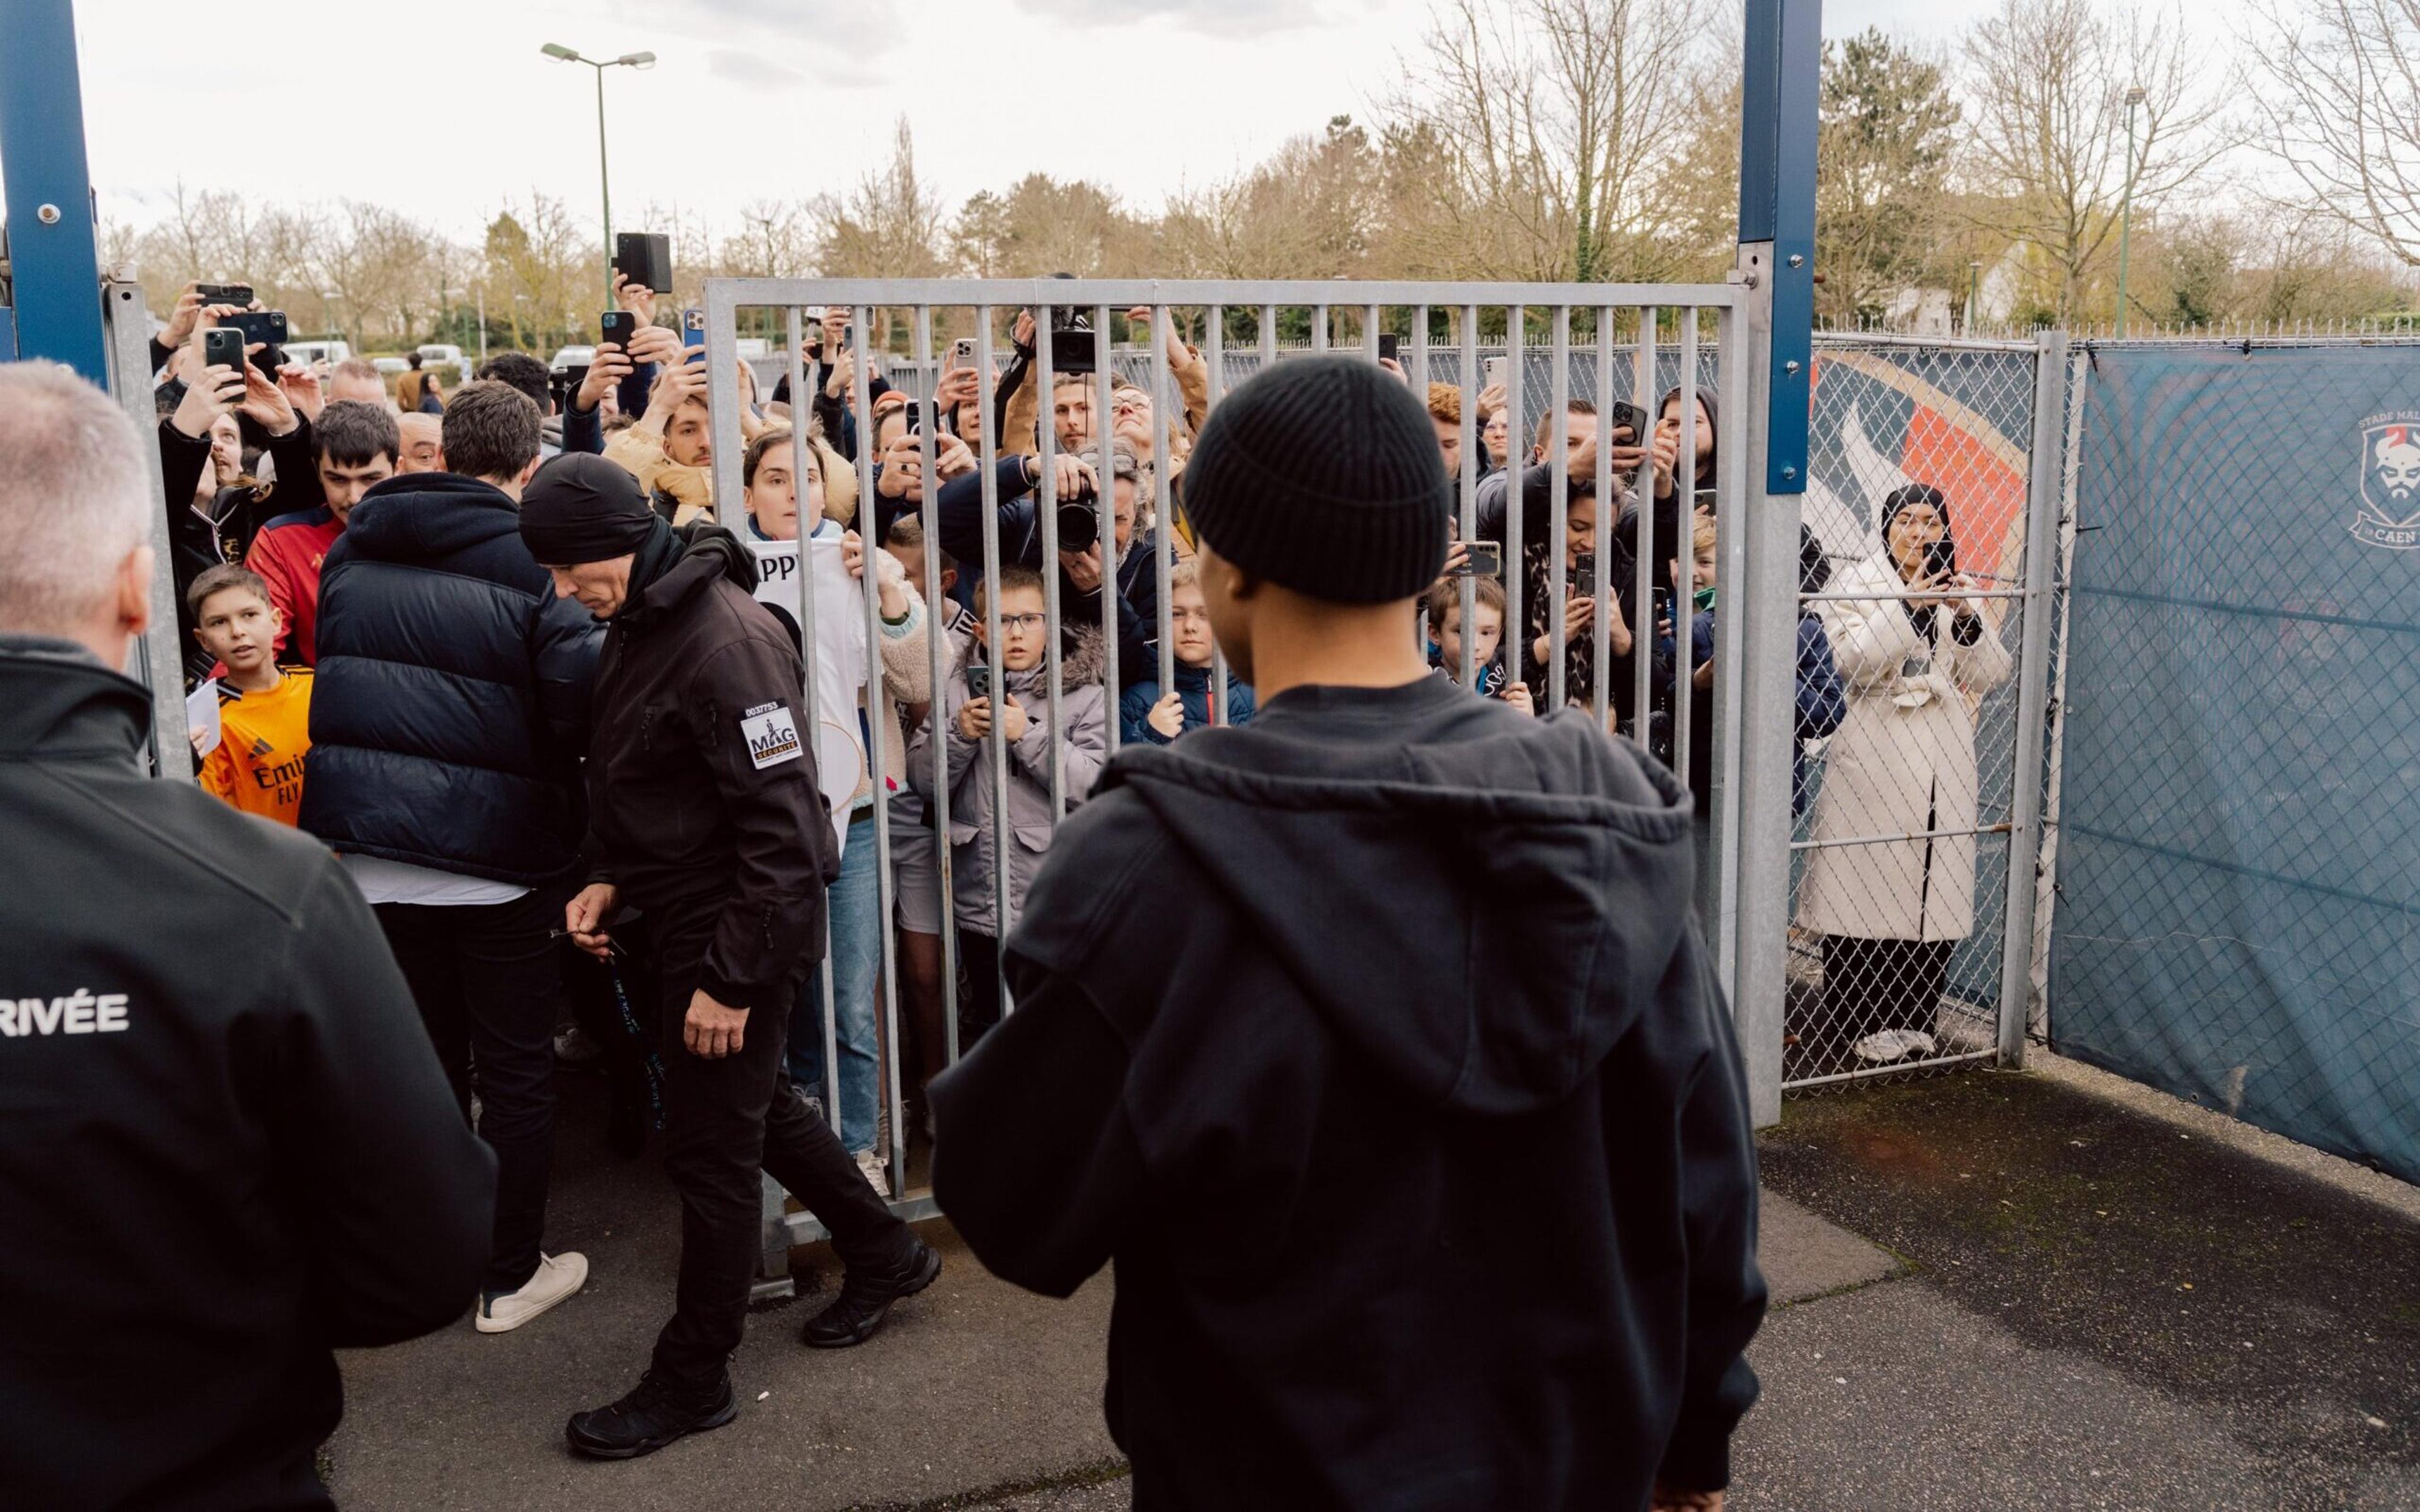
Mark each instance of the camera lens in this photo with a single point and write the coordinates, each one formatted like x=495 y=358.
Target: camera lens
x=1079 y=524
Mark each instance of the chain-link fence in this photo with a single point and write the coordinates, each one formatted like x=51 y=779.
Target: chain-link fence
x=1912 y=589
x=2239 y=869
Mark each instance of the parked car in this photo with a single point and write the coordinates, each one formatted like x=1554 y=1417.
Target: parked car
x=436 y=355
x=390 y=366
x=328 y=353
x=567 y=358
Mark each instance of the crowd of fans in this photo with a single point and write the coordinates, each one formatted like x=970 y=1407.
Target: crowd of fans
x=428 y=724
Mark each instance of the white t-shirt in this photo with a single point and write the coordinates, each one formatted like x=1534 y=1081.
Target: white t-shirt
x=382 y=881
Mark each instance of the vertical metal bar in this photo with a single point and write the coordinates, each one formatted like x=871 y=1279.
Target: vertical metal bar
x=1730 y=556
x=157 y=659
x=1419 y=369
x=1608 y=522
x=2042 y=498
x=940 y=658
x=1516 y=502
x=1685 y=601
x=1268 y=342
x=1559 y=504
x=1643 y=616
x=719 y=333
x=1761 y=611
x=887 y=1048
x=1105 y=501
x=1372 y=318
x=1474 y=440
x=1319 y=328
x=998 y=738
x=1163 y=319
x=1213 y=353
x=1046 y=513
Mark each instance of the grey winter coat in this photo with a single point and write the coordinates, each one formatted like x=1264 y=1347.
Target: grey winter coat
x=1083 y=709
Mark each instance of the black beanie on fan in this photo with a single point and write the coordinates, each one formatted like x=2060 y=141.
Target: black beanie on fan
x=1323 y=475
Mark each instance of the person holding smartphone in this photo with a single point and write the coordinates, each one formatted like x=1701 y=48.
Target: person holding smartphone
x=1914 y=649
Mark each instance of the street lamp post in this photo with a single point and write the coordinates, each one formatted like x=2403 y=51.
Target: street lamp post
x=479 y=293
x=2126 y=205
x=605 y=183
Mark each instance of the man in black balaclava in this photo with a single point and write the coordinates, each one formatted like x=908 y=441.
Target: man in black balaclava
x=705 y=812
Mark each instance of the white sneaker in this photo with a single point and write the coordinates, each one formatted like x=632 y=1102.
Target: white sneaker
x=876 y=1172
x=558 y=1277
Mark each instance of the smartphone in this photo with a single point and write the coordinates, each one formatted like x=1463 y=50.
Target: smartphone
x=962 y=352
x=1389 y=347
x=616 y=327
x=978 y=681
x=265 y=327
x=222 y=347
x=693 y=334
x=645 y=257
x=1583 y=584
x=225 y=293
x=1495 y=371
x=1704 y=498
x=1623 y=415
x=1483 y=559
x=1941 y=557
x=1073 y=352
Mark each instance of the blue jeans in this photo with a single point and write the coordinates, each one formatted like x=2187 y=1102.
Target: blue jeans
x=856 y=909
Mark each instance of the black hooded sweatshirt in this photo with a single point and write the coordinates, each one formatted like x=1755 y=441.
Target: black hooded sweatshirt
x=701 y=770
x=228 y=1147
x=1371 y=1042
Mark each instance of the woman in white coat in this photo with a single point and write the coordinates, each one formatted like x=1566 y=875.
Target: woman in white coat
x=1915 y=656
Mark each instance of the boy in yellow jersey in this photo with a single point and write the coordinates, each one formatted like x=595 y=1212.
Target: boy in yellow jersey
x=264 y=712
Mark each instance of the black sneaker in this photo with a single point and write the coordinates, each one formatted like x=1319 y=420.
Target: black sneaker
x=865 y=1298
x=656 y=1413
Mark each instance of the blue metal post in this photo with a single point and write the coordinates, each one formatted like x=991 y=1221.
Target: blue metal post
x=1781 y=76
x=1755 y=636
x=53 y=261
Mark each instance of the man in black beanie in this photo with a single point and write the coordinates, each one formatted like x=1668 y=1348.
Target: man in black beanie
x=1378 y=1051
x=705 y=812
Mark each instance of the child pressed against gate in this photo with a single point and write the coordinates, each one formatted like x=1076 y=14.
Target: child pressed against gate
x=1005 y=692
x=1445 y=638
x=264 y=713
x=1149 y=716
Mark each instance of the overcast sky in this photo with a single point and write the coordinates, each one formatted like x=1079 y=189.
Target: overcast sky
x=440 y=108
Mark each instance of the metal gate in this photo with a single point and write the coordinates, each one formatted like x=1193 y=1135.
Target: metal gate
x=1919 y=812
x=1560 y=348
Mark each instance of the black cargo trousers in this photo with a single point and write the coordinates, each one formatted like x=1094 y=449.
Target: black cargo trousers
x=724 y=1120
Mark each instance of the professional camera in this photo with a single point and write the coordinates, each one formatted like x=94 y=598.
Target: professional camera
x=1079 y=521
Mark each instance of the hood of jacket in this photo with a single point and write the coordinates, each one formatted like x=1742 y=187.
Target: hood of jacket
x=428 y=516
x=707 y=552
x=59 y=702
x=1517 y=897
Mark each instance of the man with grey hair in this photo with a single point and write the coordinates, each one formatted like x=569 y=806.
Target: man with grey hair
x=203 y=1039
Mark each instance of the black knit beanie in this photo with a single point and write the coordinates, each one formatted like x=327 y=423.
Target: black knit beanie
x=1323 y=475
x=582 y=508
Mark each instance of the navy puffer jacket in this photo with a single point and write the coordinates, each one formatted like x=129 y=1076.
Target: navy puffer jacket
x=451 y=708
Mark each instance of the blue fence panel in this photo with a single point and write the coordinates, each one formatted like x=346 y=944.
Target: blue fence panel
x=2239 y=913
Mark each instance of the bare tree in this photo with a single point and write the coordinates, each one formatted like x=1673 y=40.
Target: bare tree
x=1559 y=117
x=889 y=225
x=2340 y=107
x=2049 y=82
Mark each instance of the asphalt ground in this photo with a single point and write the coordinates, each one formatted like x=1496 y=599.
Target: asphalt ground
x=1991 y=1291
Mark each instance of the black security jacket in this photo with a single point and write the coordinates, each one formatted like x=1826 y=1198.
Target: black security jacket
x=1371 y=1042
x=225 y=1147
x=685 y=805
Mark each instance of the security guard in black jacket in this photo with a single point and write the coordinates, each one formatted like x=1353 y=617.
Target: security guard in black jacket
x=228 y=1148
x=706 y=814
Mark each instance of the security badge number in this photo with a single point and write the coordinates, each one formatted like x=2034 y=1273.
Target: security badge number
x=771 y=734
